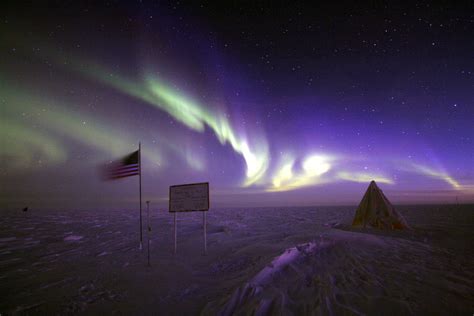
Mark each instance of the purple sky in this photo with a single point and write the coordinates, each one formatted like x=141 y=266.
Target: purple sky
x=274 y=106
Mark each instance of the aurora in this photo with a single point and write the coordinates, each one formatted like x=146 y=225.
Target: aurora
x=236 y=157
x=249 y=120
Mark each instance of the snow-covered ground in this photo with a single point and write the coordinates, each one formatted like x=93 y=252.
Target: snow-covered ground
x=264 y=261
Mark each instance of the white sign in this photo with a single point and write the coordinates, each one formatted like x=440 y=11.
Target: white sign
x=189 y=197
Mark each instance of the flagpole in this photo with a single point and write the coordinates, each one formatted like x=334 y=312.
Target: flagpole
x=148 y=230
x=140 y=189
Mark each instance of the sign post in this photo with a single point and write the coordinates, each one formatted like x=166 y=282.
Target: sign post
x=175 y=232
x=204 y=224
x=189 y=198
x=149 y=228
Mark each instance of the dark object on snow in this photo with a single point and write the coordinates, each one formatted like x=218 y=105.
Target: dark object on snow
x=25 y=209
x=375 y=210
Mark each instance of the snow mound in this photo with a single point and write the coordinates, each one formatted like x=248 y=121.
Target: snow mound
x=330 y=277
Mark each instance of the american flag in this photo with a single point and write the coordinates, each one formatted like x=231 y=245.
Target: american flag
x=125 y=167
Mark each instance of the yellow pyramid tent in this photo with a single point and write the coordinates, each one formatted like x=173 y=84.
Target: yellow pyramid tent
x=376 y=210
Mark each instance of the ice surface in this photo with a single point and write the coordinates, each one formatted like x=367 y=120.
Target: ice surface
x=73 y=238
x=7 y=239
x=260 y=261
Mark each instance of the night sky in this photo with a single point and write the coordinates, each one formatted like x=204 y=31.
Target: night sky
x=274 y=106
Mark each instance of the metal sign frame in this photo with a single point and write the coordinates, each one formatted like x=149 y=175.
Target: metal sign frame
x=189 y=184
x=204 y=211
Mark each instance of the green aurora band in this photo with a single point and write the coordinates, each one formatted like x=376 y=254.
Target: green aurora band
x=188 y=112
x=23 y=141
